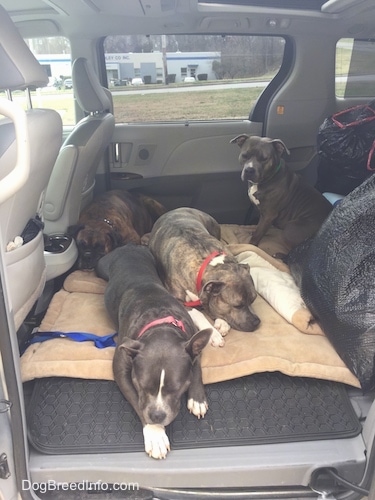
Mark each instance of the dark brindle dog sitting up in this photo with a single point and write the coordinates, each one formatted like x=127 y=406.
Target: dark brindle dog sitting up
x=283 y=198
x=113 y=219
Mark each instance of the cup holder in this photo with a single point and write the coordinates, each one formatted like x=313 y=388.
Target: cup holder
x=57 y=243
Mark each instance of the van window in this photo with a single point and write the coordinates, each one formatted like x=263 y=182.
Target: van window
x=355 y=60
x=189 y=77
x=53 y=53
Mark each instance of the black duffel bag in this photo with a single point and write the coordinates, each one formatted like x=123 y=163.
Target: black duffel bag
x=336 y=274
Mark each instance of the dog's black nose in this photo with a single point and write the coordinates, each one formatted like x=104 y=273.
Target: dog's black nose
x=256 y=321
x=157 y=416
x=250 y=325
x=249 y=174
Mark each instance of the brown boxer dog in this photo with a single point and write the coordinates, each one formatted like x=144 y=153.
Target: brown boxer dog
x=193 y=262
x=283 y=198
x=113 y=219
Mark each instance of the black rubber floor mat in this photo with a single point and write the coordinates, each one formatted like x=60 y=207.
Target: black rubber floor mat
x=90 y=416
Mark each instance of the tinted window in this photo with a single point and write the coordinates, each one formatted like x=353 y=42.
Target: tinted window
x=53 y=53
x=189 y=77
x=355 y=62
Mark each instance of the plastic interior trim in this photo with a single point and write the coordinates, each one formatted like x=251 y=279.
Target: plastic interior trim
x=14 y=181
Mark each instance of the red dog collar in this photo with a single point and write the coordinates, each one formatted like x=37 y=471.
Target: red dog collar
x=167 y=320
x=198 y=283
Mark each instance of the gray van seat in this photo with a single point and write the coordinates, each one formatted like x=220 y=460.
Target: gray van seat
x=29 y=144
x=72 y=181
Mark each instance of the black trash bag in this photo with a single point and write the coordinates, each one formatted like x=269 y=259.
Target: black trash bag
x=346 y=137
x=346 y=144
x=297 y=260
x=331 y=178
x=336 y=272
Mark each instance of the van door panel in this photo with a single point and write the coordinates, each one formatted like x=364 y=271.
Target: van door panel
x=191 y=164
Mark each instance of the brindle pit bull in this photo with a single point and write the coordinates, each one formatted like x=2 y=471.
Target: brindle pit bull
x=282 y=197
x=192 y=262
x=157 y=358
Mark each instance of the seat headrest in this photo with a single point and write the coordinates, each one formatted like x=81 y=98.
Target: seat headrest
x=19 y=67
x=87 y=88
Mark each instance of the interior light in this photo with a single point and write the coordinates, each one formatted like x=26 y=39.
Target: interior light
x=272 y=23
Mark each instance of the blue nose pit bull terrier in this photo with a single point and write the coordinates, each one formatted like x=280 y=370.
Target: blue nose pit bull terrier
x=157 y=358
x=283 y=198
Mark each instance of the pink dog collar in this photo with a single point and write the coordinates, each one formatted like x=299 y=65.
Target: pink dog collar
x=167 y=320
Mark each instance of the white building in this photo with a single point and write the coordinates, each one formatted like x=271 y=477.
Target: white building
x=56 y=65
x=149 y=66
x=123 y=67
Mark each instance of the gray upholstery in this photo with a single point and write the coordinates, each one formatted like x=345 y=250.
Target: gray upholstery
x=19 y=68
x=73 y=178
x=25 y=266
x=90 y=95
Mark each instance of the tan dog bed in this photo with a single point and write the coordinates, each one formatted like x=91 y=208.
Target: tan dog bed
x=271 y=243
x=277 y=345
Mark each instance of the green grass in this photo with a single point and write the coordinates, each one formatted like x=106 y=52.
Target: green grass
x=362 y=63
x=60 y=100
x=63 y=103
x=151 y=107
x=342 y=61
x=205 y=105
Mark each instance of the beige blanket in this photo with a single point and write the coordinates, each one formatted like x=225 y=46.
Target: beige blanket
x=276 y=346
x=271 y=242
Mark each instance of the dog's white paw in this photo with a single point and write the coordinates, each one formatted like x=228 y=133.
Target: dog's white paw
x=156 y=441
x=222 y=326
x=201 y=322
x=216 y=339
x=197 y=409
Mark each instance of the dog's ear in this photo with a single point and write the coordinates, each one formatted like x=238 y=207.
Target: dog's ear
x=212 y=288
x=239 y=140
x=130 y=347
x=280 y=146
x=244 y=267
x=115 y=239
x=74 y=230
x=244 y=270
x=198 y=342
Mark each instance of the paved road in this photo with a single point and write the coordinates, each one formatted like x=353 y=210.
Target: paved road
x=144 y=89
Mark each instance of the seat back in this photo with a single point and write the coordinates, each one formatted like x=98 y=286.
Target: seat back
x=29 y=144
x=72 y=181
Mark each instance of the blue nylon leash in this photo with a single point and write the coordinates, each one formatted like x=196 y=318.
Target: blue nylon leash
x=99 y=341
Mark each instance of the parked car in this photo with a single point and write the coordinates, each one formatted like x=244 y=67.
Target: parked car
x=189 y=79
x=68 y=83
x=137 y=81
x=286 y=428
x=115 y=82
